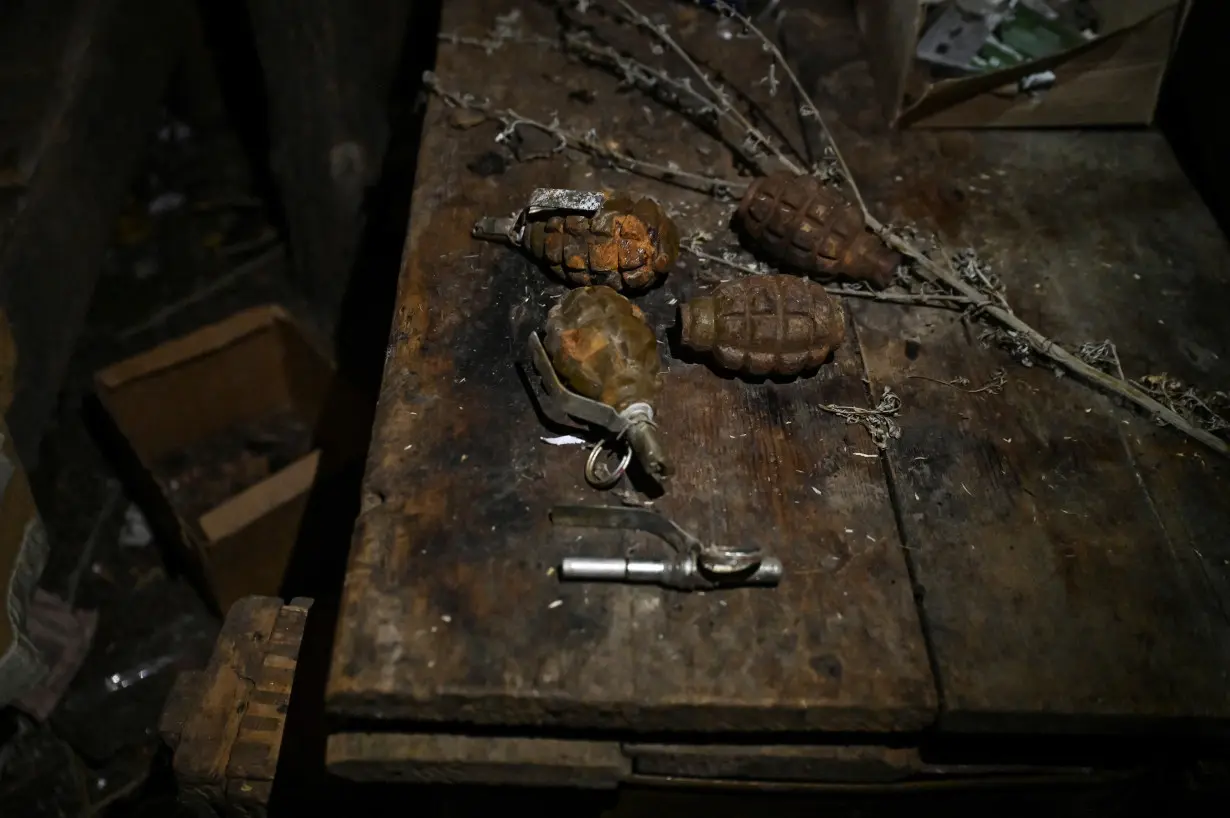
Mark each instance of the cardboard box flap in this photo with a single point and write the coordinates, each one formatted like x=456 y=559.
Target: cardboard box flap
x=892 y=29
x=248 y=506
x=250 y=365
x=1111 y=80
x=193 y=345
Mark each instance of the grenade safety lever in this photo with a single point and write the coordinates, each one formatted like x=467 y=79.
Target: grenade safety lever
x=694 y=566
x=636 y=427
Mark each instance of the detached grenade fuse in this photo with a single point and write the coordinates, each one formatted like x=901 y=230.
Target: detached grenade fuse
x=802 y=224
x=600 y=365
x=764 y=325
x=587 y=238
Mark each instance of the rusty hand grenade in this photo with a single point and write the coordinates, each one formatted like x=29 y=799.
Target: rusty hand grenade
x=601 y=347
x=627 y=244
x=804 y=225
x=764 y=325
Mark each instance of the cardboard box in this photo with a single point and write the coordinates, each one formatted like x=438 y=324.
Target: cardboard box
x=191 y=395
x=1114 y=79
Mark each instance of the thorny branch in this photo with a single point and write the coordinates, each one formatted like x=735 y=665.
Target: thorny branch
x=963 y=279
x=985 y=299
x=756 y=137
x=809 y=109
x=1187 y=401
x=586 y=143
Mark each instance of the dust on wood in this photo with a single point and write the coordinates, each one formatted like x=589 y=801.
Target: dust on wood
x=451 y=612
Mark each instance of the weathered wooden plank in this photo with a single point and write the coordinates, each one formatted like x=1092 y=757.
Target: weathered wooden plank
x=450 y=611
x=93 y=72
x=427 y=758
x=1048 y=588
x=1053 y=598
x=842 y=764
x=182 y=702
x=258 y=744
x=329 y=68
x=209 y=733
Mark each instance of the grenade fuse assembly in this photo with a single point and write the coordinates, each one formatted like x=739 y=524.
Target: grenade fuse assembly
x=600 y=365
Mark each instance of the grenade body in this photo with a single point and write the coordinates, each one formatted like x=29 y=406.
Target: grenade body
x=802 y=224
x=629 y=244
x=602 y=349
x=764 y=325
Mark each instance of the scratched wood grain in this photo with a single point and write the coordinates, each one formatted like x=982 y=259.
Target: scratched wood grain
x=1065 y=563
x=1067 y=582
x=451 y=610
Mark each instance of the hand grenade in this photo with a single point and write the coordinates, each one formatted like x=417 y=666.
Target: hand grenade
x=621 y=242
x=600 y=347
x=803 y=224
x=765 y=325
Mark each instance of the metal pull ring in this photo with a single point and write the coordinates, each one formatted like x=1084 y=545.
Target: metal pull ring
x=594 y=472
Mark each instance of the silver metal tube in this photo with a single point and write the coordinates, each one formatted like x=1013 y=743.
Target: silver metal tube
x=614 y=569
x=769 y=572
x=601 y=568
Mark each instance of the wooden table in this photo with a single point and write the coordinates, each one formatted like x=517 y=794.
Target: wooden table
x=1036 y=563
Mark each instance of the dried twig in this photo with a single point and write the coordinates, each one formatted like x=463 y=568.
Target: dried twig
x=879 y=422
x=809 y=109
x=756 y=138
x=586 y=143
x=999 y=379
x=692 y=245
x=1198 y=408
x=1102 y=355
x=984 y=299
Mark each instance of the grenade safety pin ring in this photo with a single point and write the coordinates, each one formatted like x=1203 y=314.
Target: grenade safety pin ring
x=593 y=471
x=634 y=427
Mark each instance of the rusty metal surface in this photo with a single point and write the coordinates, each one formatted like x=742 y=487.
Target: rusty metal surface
x=764 y=325
x=602 y=348
x=628 y=244
x=1043 y=598
x=805 y=225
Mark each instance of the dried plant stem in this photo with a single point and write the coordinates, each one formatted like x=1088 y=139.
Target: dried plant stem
x=721 y=99
x=989 y=305
x=587 y=143
x=984 y=305
x=956 y=302
x=647 y=77
x=811 y=110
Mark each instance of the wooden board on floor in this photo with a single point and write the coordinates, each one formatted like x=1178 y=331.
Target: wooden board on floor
x=1056 y=592
x=437 y=758
x=225 y=723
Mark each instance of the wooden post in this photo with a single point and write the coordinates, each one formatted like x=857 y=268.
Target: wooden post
x=225 y=723
x=80 y=84
x=329 y=66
